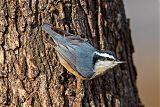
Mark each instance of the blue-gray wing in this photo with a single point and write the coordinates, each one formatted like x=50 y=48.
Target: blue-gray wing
x=79 y=57
x=68 y=53
x=84 y=59
x=75 y=50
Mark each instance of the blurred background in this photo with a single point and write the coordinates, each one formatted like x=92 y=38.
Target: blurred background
x=145 y=35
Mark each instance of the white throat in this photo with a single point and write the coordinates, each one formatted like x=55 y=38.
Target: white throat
x=101 y=66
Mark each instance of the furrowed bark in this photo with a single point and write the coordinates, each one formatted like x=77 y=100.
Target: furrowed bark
x=30 y=72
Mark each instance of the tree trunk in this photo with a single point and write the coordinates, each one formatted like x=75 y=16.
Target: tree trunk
x=30 y=73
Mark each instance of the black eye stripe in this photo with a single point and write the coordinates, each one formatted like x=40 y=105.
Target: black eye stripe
x=101 y=58
x=105 y=58
x=95 y=58
x=110 y=59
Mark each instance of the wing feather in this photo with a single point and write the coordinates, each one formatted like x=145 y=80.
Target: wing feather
x=76 y=51
x=68 y=54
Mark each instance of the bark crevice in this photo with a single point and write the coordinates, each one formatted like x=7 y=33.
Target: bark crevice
x=30 y=72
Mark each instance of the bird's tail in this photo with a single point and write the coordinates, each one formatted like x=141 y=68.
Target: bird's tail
x=53 y=33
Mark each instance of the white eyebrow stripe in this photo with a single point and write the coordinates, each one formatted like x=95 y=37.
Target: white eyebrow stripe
x=105 y=55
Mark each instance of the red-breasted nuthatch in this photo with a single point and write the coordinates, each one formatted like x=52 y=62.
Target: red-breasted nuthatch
x=78 y=56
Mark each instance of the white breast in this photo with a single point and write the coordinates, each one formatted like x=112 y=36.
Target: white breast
x=101 y=66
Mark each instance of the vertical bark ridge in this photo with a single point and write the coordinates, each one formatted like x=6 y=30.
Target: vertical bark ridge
x=30 y=72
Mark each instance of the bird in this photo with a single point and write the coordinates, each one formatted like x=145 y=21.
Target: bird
x=78 y=56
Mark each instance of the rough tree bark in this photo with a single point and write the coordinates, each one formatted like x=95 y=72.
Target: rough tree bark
x=30 y=74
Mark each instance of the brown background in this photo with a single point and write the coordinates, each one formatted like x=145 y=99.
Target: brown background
x=144 y=27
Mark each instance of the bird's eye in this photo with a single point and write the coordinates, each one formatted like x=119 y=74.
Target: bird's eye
x=110 y=59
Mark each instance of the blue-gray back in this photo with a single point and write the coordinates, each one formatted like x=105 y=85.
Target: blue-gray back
x=84 y=59
x=75 y=50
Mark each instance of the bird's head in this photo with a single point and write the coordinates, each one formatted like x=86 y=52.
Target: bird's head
x=102 y=61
